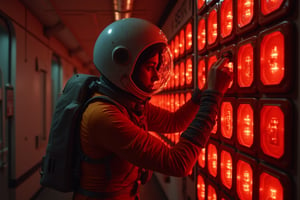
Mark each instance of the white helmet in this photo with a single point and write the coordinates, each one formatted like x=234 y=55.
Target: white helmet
x=119 y=46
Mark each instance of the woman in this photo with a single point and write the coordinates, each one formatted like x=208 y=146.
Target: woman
x=134 y=60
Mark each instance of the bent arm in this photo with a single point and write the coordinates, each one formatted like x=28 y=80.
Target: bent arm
x=112 y=130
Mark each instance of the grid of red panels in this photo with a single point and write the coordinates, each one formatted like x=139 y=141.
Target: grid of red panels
x=249 y=154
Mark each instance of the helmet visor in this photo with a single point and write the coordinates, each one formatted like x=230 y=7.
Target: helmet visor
x=163 y=70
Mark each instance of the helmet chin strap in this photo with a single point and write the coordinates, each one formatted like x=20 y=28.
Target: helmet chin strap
x=124 y=98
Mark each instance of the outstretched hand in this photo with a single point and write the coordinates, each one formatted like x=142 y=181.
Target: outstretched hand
x=219 y=76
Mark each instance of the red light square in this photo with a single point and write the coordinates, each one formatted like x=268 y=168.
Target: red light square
x=182 y=75
x=246 y=66
x=227 y=120
x=189 y=37
x=189 y=66
x=201 y=187
x=246 y=15
x=176 y=76
x=201 y=158
x=212 y=190
x=273 y=184
x=176 y=47
x=227 y=20
x=201 y=35
x=232 y=67
x=201 y=72
x=273 y=10
x=212 y=158
x=245 y=172
x=181 y=42
x=211 y=59
x=227 y=168
x=212 y=33
x=276 y=55
x=201 y=4
x=275 y=128
x=246 y=125
x=188 y=96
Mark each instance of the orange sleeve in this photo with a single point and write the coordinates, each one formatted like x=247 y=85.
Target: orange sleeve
x=112 y=130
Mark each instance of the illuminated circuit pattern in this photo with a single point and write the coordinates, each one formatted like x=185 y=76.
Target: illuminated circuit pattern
x=249 y=153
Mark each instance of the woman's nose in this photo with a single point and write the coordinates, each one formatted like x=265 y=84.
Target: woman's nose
x=155 y=75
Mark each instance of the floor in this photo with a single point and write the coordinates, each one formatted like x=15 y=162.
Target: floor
x=149 y=191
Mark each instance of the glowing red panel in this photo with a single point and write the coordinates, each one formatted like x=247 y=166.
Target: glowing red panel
x=182 y=74
x=200 y=188
x=268 y=6
x=272 y=58
x=212 y=27
x=212 y=159
x=189 y=72
x=244 y=181
x=176 y=76
x=245 y=12
x=230 y=66
x=181 y=42
x=270 y=187
x=201 y=158
x=211 y=193
x=245 y=66
x=188 y=37
x=226 y=18
x=272 y=130
x=226 y=119
x=201 y=74
x=245 y=119
x=177 y=103
x=176 y=47
x=226 y=169
x=201 y=36
x=201 y=3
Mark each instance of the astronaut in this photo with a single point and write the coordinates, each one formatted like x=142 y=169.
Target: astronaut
x=135 y=62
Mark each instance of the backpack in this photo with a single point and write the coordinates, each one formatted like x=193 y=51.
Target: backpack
x=60 y=168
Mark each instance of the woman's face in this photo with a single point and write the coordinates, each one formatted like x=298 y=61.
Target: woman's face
x=146 y=74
